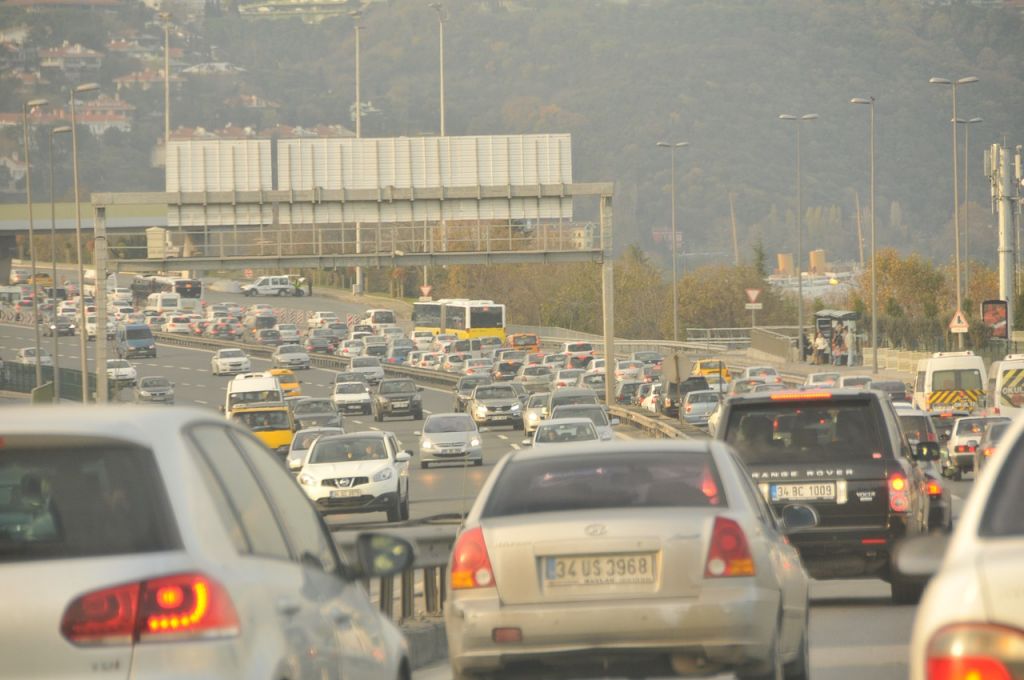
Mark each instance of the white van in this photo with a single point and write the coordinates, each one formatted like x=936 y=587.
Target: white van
x=1006 y=385
x=271 y=285
x=163 y=302
x=251 y=388
x=950 y=380
x=379 y=319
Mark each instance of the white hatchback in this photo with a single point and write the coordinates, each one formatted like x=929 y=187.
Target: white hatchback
x=172 y=544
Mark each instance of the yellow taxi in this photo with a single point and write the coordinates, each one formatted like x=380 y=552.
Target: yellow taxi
x=41 y=279
x=290 y=385
x=709 y=367
x=271 y=422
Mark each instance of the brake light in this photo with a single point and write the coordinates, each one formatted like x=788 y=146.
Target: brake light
x=934 y=488
x=988 y=451
x=728 y=554
x=471 y=566
x=689 y=408
x=965 y=448
x=898 y=499
x=182 y=605
x=974 y=651
x=800 y=396
x=931 y=437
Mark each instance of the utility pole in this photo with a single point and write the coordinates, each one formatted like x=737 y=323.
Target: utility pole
x=860 y=231
x=1001 y=173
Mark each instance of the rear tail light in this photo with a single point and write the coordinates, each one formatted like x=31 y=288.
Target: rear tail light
x=975 y=651
x=689 y=408
x=471 y=566
x=964 y=448
x=988 y=451
x=729 y=554
x=898 y=499
x=931 y=437
x=179 y=606
x=934 y=488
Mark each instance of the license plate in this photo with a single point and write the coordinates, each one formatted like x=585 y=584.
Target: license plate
x=400 y=404
x=344 y=493
x=599 y=570
x=499 y=417
x=819 y=491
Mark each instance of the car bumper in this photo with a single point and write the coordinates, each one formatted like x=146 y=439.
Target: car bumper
x=442 y=455
x=367 y=502
x=964 y=461
x=726 y=627
x=407 y=410
x=132 y=353
x=841 y=553
x=352 y=406
x=499 y=418
x=701 y=420
x=157 y=399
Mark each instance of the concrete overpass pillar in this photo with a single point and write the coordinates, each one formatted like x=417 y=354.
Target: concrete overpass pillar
x=8 y=251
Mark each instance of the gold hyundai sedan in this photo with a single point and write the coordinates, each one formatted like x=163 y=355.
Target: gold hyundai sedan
x=632 y=558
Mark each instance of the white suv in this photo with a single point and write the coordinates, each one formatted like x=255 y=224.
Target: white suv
x=320 y=319
x=271 y=285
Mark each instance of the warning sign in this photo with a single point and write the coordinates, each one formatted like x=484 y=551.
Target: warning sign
x=959 y=322
x=752 y=294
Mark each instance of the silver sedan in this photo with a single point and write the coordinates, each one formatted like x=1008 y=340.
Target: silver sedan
x=635 y=558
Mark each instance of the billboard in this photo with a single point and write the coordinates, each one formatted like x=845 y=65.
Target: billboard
x=993 y=315
x=390 y=163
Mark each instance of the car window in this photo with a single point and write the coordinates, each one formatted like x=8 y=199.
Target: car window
x=243 y=491
x=347 y=449
x=619 y=480
x=71 y=499
x=449 y=423
x=305 y=530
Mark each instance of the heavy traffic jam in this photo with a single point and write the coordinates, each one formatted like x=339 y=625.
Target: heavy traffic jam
x=193 y=540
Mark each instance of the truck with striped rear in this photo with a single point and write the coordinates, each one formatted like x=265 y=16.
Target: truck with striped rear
x=950 y=381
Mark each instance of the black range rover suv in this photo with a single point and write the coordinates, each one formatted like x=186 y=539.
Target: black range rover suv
x=843 y=453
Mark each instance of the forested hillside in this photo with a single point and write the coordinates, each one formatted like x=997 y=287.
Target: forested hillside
x=621 y=76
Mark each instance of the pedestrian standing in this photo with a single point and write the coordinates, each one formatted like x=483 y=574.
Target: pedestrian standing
x=309 y=285
x=819 y=348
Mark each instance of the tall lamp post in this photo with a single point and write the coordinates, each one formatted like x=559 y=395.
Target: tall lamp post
x=83 y=347
x=165 y=17
x=956 y=190
x=870 y=101
x=441 y=16
x=967 y=198
x=32 y=104
x=672 y=146
x=799 y=232
x=53 y=263
x=357 y=15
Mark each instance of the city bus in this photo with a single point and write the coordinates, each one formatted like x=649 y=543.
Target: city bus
x=464 y=318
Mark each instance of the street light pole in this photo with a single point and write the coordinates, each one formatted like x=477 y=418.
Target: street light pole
x=967 y=199
x=53 y=264
x=956 y=192
x=356 y=16
x=83 y=347
x=166 y=18
x=32 y=104
x=870 y=101
x=439 y=8
x=799 y=232
x=675 y=291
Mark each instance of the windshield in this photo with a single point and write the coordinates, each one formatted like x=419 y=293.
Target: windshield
x=795 y=433
x=231 y=354
x=344 y=449
x=350 y=388
x=154 y=382
x=454 y=423
x=259 y=421
x=397 y=387
x=313 y=406
x=139 y=334
x=595 y=413
x=252 y=397
x=621 y=480
x=565 y=432
x=960 y=379
x=494 y=393
x=117 y=363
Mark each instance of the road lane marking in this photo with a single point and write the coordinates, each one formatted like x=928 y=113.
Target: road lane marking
x=200 y=401
x=502 y=436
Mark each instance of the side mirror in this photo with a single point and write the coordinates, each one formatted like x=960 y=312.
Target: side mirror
x=926 y=451
x=410 y=452
x=527 y=442
x=382 y=555
x=944 y=436
x=798 y=517
x=402 y=457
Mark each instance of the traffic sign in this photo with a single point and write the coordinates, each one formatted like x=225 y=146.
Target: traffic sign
x=425 y=290
x=753 y=306
x=248 y=273
x=959 y=323
x=752 y=294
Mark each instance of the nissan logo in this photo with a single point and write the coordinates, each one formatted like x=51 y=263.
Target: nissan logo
x=595 y=530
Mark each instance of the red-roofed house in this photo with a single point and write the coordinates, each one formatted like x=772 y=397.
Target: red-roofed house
x=145 y=79
x=71 y=59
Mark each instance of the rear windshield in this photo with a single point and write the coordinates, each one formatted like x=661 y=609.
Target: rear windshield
x=558 y=400
x=917 y=428
x=524 y=340
x=263 y=421
x=496 y=392
x=960 y=379
x=794 y=433
x=75 y=499
x=139 y=334
x=305 y=408
x=630 y=480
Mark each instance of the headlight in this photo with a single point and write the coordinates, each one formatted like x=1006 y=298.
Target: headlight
x=426 y=444
x=481 y=410
x=306 y=480
x=294 y=463
x=416 y=399
x=53 y=326
x=71 y=325
x=517 y=407
x=474 y=442
x=145 y=394
x=383 y=475
x=533 y=416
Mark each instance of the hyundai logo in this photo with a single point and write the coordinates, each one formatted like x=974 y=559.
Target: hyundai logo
x=595 y=530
